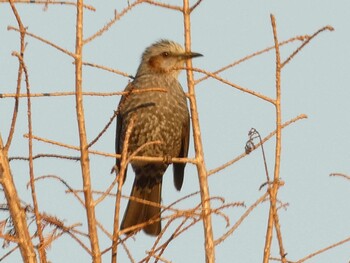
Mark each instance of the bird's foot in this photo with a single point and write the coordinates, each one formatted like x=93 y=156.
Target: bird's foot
x=167 y=159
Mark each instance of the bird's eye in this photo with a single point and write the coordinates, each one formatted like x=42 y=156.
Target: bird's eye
x=165 y=54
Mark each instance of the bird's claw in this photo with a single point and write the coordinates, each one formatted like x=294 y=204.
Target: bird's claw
x=167 y=159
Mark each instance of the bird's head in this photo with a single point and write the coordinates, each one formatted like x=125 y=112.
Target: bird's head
x=164 y=56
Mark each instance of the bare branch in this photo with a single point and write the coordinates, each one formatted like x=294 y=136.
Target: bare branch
x=201 y=169
x=85 y=162
x=112 y=21
x=324 y=250
x=51 y=2
x=43 y=40
x=273 y=220
x=256 y=146
x=72 y=93
x=340 y=175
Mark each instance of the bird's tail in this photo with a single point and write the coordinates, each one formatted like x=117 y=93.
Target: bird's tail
x=139 y=212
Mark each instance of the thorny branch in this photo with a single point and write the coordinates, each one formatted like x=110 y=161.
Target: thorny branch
x=201 y=168
x=84 y=154
x=273 y=221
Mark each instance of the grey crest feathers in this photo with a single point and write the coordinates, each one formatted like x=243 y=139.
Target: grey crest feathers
x=164 y=56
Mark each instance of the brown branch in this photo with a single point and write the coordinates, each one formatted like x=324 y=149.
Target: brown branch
x=19 y=78
x=16 y=211
x=201 y=169
x=46 y=155
x=296 y=38
x=112 y=21
x=41 y=248
x=190 y=214
x=63 y=182
x=103 y=130
x=9 y=238
x=305 y=39
x=195 y=5
x=177 y=231
x=324 y=249
x=9 y=253
x=72 y=93
x=46 y=2
x=113 y=155
x=23 y=68
x=168 y=6
x=85 y=162
x=273 y=220
x=121 y=73
x=340 y=175
x=305 y=43
x=252 y=92
x=107 y=192
x=43 y=40
x=240 y=220
x=121 y=176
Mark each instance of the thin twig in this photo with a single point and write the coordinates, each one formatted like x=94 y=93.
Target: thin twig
x=341 y=175
x=240 y=220
x=27 y=253
x=19 y=79
x=296 y=38
x=81 y=201
x=112 y=21
x=323 y=250
x=72 y=93
x=107 y=69
x=164 y=5
x=46 y=2
x=41 y=248
x=44 y=155
x=252 y=92
x=195 y=5
x=44 y=41
x=244 y=154
x=305 y=43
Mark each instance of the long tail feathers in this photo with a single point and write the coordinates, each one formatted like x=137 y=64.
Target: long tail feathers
x=138 y=213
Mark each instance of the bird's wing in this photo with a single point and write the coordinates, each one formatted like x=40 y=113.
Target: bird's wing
x=180 y=167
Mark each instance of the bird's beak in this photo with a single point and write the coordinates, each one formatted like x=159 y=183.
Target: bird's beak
x=189 y=55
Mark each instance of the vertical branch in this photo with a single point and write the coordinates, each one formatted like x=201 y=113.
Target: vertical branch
x=19 y=77
x=202 y=172
x=22 y=68
x=273 y=190
x=41 y=247
x=84 y=155
x=17 y=213
x=121 y=176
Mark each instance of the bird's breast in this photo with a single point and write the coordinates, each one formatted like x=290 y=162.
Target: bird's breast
x=160 y=118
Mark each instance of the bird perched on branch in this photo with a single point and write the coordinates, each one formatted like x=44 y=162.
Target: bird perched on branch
x=159 y=116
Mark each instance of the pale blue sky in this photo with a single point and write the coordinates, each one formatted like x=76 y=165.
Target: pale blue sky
x=315 y=82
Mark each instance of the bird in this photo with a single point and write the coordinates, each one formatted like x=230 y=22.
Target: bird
x=159 y=116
